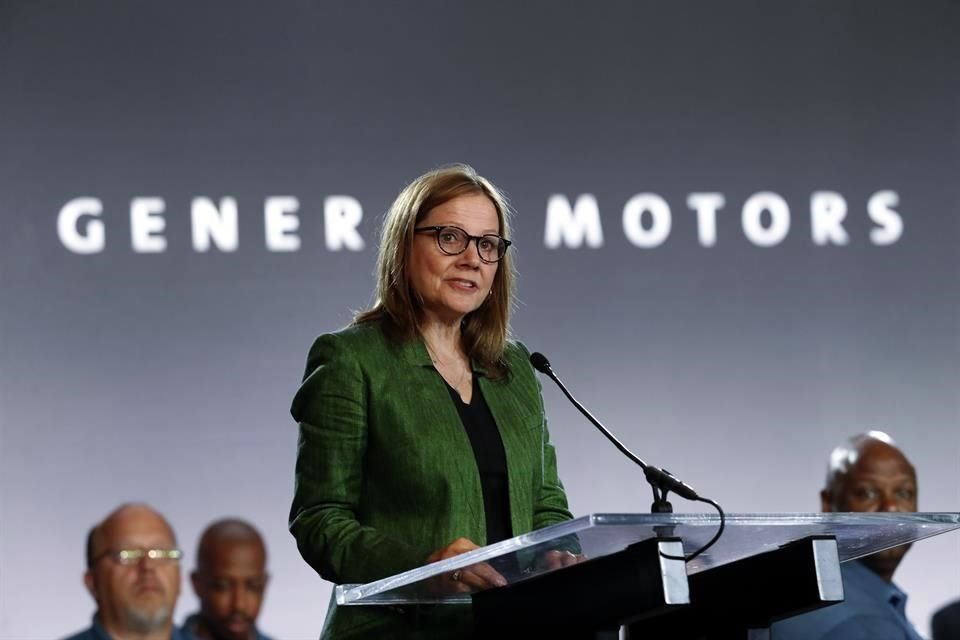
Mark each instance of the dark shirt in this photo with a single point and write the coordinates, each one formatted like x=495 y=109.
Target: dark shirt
x=946 y=622
x=872 y=609
x=491 y=461
x=190 y=629
x=97 y=632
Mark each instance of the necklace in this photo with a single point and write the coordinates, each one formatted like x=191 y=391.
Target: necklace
x=443 y=368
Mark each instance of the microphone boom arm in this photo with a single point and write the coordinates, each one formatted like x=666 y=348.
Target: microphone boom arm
x=660 y=480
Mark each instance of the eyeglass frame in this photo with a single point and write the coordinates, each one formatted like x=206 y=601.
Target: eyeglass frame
x=437 y=228
x=130 y=557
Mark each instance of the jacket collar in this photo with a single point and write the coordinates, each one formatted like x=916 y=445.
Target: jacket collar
x=415 y=353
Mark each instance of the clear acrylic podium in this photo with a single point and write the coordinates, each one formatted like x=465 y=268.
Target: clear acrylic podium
x=765 y=567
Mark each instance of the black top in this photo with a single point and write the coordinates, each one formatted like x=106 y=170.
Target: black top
x=491 y=461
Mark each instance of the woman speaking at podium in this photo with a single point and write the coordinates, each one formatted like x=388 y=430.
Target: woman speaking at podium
x=422 y=430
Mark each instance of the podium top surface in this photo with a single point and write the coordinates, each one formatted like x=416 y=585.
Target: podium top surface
x=599 y=534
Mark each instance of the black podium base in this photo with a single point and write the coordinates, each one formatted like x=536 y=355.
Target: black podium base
x=592 y=599
x=739 y=600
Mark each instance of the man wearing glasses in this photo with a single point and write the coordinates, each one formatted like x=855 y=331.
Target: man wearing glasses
x=133 y=573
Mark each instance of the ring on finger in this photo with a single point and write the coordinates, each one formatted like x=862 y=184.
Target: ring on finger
x=455 y=576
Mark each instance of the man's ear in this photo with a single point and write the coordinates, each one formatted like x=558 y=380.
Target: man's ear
x=91 y=583
x=195 y=582
x=826 y=501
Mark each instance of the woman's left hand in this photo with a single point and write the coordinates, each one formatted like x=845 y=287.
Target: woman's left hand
x=476 y=577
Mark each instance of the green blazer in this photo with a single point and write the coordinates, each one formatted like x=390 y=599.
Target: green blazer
x=385 y=472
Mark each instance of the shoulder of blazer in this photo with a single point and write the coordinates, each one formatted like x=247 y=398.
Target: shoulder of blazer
x=517 y=357
x=361 y=342
x=341 y=351
x=520 y=383
x=366 y=346
x=373 y=348
x=368 y=336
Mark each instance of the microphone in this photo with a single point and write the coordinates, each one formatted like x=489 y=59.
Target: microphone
x=659 y=479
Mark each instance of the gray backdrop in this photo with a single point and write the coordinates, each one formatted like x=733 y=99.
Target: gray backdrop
x=166 y=376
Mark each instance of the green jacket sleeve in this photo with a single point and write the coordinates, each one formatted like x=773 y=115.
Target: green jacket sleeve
x=330 y=407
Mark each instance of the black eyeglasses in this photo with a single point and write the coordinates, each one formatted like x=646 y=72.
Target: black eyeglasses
x=453 y=241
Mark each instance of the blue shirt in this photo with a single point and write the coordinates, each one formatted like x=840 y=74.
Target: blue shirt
x=97 y=632
x=872 y=609
x=190 y=626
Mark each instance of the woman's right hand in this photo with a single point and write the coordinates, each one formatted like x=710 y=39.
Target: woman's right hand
x=476 y=577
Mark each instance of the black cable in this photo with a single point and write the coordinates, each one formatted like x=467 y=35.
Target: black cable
x=710 y=543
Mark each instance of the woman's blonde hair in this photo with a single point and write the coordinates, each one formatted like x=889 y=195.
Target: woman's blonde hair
x=485 y=330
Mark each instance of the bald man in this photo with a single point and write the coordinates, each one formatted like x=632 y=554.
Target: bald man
x=230 y=580
x=868 y=473
x=133 y=574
